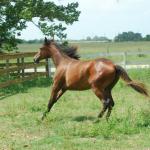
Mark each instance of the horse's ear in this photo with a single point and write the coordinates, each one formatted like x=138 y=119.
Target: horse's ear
x=46 y=40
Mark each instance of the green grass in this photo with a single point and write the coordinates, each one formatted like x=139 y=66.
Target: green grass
x=70 y=125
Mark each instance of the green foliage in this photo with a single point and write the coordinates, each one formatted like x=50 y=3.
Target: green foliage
x=97 y=38
x=14 y=14
x=131 y=36
x=128 y=36
x=147 y=38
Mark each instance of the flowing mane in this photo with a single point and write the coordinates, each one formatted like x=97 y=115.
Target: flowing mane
x=70 y=51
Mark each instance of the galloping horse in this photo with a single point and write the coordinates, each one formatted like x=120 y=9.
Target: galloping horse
x=100 y=75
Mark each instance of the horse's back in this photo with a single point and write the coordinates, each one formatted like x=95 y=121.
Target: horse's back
x=82 y=74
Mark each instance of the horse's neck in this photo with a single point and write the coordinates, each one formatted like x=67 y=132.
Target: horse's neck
x=56 y=56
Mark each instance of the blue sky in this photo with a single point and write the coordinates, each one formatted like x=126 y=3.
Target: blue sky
x=103 y=18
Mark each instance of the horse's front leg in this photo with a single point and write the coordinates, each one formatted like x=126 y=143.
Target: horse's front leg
x=55 y=95
x=60 y=93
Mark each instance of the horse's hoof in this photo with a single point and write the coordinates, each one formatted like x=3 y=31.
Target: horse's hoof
x=42 y=118
x=44 y=115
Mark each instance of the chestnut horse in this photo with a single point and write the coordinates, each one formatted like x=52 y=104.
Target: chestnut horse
x=100 y=75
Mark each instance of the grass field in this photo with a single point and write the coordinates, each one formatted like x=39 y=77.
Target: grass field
x=94 y=47
x=70 y=125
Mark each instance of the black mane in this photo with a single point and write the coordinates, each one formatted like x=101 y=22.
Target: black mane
x=70 y=51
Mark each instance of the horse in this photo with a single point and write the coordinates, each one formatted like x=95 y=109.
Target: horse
x=100 y=75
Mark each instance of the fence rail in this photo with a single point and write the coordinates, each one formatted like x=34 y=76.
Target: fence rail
x=6 y=56
x=125 y=58
x=18 y=68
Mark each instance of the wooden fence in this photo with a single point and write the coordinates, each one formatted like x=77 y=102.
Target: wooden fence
x=17 y=64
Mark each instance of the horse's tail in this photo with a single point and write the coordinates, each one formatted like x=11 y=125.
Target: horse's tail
x=137 y=86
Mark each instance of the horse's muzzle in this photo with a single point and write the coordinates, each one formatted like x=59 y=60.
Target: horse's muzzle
x=36 y=61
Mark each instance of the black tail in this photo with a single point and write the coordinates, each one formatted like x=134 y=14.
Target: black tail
x=137 y=86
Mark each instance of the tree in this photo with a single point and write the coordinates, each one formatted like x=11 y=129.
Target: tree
x=97 y=38
x=88 y=38
x=147 y=37
x=128 y=36
x=14 y=15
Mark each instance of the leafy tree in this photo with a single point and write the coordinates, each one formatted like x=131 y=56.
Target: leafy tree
x=128 y=36
x=147 y=37
x=97 y=38
x=88 y=38
x=14 y=15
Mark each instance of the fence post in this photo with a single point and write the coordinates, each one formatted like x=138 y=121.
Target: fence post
x=18 y=64
x=22 y=62
x=35 y=69
x=124 y=59
x=48 y=67
x=7 y=66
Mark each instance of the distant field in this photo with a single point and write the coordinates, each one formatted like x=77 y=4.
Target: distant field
x=93 y=47
x=70 y=125
x=89 y=48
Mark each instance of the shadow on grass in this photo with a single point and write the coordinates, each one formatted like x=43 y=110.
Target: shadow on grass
x=24 y=87
x=83 y=118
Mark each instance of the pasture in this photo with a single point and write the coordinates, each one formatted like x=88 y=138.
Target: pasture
x=71 y=123
x=93 y=47
x=87 y=49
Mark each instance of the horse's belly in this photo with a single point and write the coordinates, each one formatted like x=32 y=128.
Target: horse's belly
x=77 y=76
x=78 y=86
x=76 y=82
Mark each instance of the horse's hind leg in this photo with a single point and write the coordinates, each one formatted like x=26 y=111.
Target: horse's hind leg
x=110 y=106
x=100 y=115
x=109 y=88
x=103 y=97
x=106 y=105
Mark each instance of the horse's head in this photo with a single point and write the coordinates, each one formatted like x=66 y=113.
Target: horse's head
x=44 y=51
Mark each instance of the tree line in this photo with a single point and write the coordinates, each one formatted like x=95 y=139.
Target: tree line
x=121 y=37
x=98 y=38
x=131 y=36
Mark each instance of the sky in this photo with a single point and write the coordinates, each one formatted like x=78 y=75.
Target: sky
x=103 y=18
